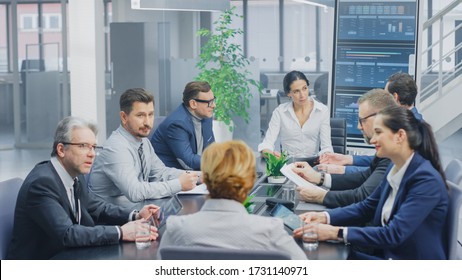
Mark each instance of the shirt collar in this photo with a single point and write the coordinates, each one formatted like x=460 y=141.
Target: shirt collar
x=195 y=118
x=67 y=180
x=395 y=177
x=317 y=106
x=127 y=135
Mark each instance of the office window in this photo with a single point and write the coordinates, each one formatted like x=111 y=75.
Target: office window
x=3 y=40
x=308 y=35
x=263 y=33
x=28 y=22
x=53 y=22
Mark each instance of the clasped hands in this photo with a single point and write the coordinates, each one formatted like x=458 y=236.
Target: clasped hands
x=325 y=231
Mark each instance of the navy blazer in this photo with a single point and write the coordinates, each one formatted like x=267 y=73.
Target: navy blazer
x=44 y=223
x=175 y=139
x=417 y=225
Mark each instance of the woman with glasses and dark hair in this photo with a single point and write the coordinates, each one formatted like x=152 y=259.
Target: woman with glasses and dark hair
x=409 y=208
x=303 y=124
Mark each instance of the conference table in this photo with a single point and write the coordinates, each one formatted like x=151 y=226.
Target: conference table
x=192 y=203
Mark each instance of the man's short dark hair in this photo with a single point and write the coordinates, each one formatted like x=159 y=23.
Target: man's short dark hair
x=405 y=86
x=192 y=90
x=133 y=95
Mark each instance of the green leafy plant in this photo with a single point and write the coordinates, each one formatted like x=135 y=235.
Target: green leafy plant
x=223 y=65
x=274 y=163
x=248 y=204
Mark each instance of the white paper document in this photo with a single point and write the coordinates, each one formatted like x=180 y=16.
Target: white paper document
x=199 y=189
x=299 y=181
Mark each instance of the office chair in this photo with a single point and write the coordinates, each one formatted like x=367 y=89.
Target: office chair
x=454 y=221
x=453 y=171
x=282 y=97
x=8 y=194
x=157 y=121
x=213 y=253
x=338 y=134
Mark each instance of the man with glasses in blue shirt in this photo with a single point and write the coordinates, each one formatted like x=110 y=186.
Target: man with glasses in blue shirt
x=182 y=137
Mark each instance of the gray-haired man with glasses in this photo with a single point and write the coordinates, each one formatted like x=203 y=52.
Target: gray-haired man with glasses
x=55 y=210
x=186 y=132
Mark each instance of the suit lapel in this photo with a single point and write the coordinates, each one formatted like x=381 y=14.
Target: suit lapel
x=63 y=194
x=401 y=194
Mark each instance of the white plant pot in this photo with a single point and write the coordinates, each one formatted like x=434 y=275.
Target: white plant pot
x=221 y=131
x=277 y=179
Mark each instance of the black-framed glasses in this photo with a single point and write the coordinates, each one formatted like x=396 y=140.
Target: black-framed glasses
x=85 y=146
x=362 y=120
x=210 y=102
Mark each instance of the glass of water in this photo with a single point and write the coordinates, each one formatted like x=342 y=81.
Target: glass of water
x=310 y=236
x=142 y=234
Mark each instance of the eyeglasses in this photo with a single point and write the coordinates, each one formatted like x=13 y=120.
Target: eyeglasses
x=210 y=102
x=362 y=120
x=86 y=146
x=298 y=92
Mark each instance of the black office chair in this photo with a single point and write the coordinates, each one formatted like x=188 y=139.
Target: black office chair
x=338 y=135
x=282 y=97
x=8 y=194
x=455 y=206
x=213 y=253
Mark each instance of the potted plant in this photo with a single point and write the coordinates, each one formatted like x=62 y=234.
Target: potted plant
x=249 y=204
x=223 y=65
x=273 y=167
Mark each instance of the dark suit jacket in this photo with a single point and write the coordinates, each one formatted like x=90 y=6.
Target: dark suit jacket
x=175 y=138
x=347 y=189
x=416 y=228
x=44 y=223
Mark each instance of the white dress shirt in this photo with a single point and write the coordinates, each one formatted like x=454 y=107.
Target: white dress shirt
x=394 y=178
x=295 y=139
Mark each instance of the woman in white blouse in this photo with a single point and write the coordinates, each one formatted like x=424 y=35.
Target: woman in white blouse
x=303 y=124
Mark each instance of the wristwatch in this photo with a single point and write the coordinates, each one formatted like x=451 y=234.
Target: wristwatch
x=321 y=181
x=340 y=233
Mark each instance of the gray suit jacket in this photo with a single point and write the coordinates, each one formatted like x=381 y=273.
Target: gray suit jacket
x=225 y=223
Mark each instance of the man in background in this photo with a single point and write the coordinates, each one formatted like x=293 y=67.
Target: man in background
x=344 y=189
x=128 y=169
x=182 y=137
x=403 y=88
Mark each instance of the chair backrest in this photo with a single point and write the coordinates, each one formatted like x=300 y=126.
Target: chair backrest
x=157 y=121
x=453 y=171
x=338 y=134
x=282 y=97
x=208 y=253
x=454 y=220
x=8 y=194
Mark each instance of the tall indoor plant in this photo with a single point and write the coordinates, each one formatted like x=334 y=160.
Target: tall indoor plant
x=223 y=65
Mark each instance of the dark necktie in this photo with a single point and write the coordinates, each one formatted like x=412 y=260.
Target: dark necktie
x=144 y=170
x=77 y=189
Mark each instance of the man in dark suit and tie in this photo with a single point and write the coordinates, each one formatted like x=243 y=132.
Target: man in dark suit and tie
x=186 y=132
x=54 y=209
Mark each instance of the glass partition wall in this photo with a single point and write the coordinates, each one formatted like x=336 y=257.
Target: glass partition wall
x=34 y=84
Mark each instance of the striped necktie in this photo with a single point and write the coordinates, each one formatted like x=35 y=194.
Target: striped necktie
x=144 y=170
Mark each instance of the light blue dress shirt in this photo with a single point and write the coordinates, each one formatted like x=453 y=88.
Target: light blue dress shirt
x=117 y=177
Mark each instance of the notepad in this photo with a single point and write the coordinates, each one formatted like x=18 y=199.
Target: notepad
x=296 y=179
x=200 y=189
